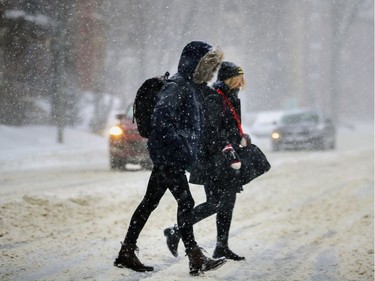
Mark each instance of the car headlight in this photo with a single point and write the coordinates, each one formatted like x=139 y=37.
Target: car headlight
x=275 y=135
x=115 y=131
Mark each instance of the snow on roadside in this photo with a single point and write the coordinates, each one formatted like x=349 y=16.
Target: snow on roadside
x=310 y=218
x=36 y=147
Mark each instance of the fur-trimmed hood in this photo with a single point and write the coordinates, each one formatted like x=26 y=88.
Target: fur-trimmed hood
x=199 y=61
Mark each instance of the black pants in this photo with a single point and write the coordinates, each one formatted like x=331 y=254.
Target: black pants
x=221 y=199
x=161 y=179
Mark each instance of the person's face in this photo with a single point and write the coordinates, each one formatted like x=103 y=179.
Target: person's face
x=238 y=82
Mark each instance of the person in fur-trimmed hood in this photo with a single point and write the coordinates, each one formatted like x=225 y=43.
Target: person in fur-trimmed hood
x=174 y=144
x=222 y=139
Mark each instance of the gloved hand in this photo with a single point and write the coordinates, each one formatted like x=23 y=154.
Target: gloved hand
x=232 y=157
x=245 y=141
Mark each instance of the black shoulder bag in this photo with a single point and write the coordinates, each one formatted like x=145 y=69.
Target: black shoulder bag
x=253 y=161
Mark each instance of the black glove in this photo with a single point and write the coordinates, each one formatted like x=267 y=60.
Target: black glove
x=245 y=141
x=232 y=157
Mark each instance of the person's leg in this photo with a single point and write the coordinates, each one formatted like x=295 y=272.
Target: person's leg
x=199 y=213
x=209 y=207
x=224 y=216
x=223 y=223
x=179 y=187
x=155 y=191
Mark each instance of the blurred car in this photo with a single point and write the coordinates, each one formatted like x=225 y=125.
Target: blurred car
x=265 y=123
x=304 y=129
x=126 y=146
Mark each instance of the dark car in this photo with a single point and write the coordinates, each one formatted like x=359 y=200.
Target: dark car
x=126 y=146
x=304 y=129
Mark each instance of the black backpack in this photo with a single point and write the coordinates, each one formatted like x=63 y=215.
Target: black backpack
x=145 y=101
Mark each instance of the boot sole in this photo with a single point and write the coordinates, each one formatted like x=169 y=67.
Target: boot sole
x=144 y=269
x=229 y=258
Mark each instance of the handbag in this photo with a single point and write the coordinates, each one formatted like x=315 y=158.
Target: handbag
x=254 y=162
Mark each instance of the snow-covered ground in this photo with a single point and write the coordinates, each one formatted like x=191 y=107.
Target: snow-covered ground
x=63 y=213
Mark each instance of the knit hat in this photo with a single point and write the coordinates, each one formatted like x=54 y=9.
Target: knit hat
x=228 y=70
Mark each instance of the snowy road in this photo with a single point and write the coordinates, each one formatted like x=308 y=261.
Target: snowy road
x=310 y=218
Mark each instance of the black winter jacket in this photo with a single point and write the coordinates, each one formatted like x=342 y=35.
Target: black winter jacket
x=177 y=122
x=220 y=129
x=220 y=124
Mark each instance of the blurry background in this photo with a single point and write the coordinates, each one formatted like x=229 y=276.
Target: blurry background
x=61 y=61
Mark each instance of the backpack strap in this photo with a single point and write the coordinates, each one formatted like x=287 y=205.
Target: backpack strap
x=233 y=110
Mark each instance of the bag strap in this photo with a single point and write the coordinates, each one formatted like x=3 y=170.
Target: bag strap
x=227 y=101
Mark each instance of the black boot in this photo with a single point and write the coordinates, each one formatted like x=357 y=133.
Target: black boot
x=127 y=258
x=198 y=262
x=224 y=251
x=173 y=238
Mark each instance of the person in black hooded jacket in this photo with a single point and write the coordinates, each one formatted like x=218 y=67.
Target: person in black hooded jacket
x=221 y=162
x=174 y=144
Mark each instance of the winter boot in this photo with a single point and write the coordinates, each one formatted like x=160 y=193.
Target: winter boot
x=173 y=238
x=224 y=251
x=198 y=262
x=127 y=258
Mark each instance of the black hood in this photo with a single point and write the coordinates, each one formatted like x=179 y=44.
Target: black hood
x=190 y=57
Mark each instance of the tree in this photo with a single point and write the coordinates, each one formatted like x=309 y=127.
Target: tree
x=344 y=14
x=24 y=39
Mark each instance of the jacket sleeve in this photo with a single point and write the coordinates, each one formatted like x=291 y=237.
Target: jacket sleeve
x=215 y=134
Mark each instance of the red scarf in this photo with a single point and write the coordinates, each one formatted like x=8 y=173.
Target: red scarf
x=227 y=101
